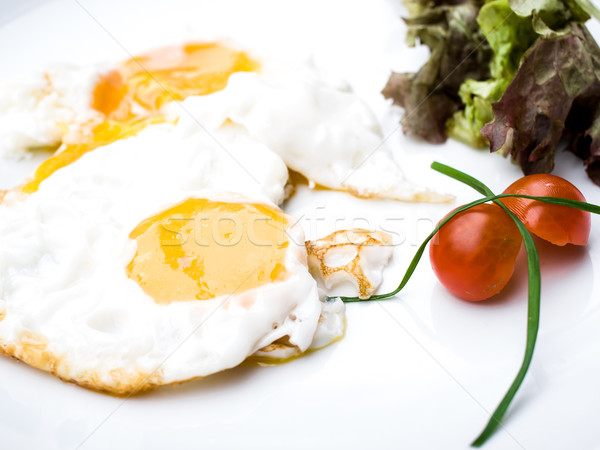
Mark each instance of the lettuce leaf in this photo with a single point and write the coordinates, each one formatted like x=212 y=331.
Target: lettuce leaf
x=519 y=75
x=508 y=36
x=554 y=95
x=430 y=96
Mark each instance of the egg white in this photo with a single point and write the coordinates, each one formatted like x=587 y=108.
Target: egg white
x=321 y=129
x=39 y=109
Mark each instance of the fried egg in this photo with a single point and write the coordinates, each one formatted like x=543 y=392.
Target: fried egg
x=320 y=129
x=135 y=267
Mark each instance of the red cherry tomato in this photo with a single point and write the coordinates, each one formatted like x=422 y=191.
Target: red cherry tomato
x=557 y=224
x=474 y=254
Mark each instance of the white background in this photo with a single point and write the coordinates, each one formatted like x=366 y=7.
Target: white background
x=422 y=371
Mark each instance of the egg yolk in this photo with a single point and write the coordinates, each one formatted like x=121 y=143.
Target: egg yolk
x=130 y=96
x=102 y=134
x=201 y=249
x=172 y=73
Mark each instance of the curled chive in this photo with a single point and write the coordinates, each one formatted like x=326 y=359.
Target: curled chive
x=534 y=277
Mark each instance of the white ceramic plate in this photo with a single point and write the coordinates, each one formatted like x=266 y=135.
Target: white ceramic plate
x=421 y=371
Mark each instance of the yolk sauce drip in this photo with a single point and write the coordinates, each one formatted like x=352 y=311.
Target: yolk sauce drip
x=201 y=249
x=130 y=96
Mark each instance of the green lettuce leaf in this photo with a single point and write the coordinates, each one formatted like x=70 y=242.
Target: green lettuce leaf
x=554 y=95
x=458 y=51
x=519 y=75
x=509 y=36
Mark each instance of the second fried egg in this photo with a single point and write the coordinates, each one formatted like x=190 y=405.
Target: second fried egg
x=321 y=130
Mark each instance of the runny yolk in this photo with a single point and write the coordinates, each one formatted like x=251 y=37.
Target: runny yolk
x=166 y=74
x=130 y=96
x=201 y=249
x=102 y=134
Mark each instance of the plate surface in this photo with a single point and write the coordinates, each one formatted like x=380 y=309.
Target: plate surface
x=421 y=371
